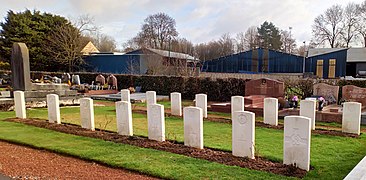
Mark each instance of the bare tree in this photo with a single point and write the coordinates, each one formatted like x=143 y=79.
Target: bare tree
x=351 y=16
x=288 y=43
x=104 y=43
x=251 y=38
x=85 y=24
x=226 y=45
x=157 y=31
x=240 y=42
x=66 y=43
x=361 y=22
x=327 y=27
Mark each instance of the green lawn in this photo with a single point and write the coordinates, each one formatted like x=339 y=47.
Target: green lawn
x=147 y=161
x=332 y=157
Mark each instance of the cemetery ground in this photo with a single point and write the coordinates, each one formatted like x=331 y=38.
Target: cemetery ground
x=332 y=157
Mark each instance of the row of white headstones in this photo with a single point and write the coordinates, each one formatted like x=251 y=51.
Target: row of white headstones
x=297 y=129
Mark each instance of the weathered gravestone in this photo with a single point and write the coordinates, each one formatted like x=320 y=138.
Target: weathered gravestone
x=125 y=95
x=237 y=104
x=100 y=79
x=266 y=87
x=271 y=111
x=354 y=93
x=124 y=118
x=87 y=113
x=19 y=102
x=307 y=109
x=112 y=81
x=53 y=106
x=156 y=122
x=193 y=127
x=351 y=117
x=243 y=134
x=20 y=68
x=328 y=92
x=201 y=102
x=176 y=103
x=297 y=134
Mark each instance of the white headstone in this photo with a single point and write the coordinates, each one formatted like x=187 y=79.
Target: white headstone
x=201 y=102
x=87 y=113
x=156 y=122
x=243 y=134
x=237 y=104
x=296 y=146
x=358 y=172
x=308 y=109
x=125 y=95
x=124 y=118
x=75 y=79
x=19 y=102
x=193 y=127
x=176 y=103
x=270 y=111
x=53 y=107
x=351 y=118
x=150 y=97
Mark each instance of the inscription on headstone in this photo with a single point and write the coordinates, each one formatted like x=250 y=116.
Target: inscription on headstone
x=243 y=134
x=297 y=134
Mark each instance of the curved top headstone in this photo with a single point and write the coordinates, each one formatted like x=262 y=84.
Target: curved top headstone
x=20 y=67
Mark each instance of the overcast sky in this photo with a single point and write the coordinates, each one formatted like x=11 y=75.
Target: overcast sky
x=197 y=20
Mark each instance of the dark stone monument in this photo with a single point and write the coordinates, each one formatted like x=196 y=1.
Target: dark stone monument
x=21 y=78
x=265 y=87
x=20 y=67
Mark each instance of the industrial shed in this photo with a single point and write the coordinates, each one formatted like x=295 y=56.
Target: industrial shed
x=256 y=61
x=327 y=62
x=337 y=62
x=140 y=62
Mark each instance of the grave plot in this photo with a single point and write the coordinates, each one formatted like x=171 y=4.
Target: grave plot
x=174 y=131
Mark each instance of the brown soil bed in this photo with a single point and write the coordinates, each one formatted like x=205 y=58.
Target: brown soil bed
x=213 y=155
x=261 y=124
x=20 y=162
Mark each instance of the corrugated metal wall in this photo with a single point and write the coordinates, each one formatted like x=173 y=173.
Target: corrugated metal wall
x=256 y=61
x=119 y=64
x=340 y=66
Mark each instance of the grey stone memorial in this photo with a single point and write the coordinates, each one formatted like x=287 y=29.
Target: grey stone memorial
x=20 y=67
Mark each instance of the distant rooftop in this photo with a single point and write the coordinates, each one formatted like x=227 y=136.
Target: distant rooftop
x=172 y=54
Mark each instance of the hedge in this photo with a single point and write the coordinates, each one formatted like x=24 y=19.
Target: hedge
x=216 y=89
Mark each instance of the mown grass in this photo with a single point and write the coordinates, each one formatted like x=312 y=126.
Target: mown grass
x=148 y=161
x=332 y=157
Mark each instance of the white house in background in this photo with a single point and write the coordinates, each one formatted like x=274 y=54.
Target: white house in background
x=89 y=48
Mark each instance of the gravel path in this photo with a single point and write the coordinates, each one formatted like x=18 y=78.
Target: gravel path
x=21 y=162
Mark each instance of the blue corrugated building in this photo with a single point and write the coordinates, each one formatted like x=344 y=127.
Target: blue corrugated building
x=139 y=61
x=256 y=61
x=327 y=62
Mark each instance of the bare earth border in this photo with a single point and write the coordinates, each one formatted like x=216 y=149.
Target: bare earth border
x=213 y=155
